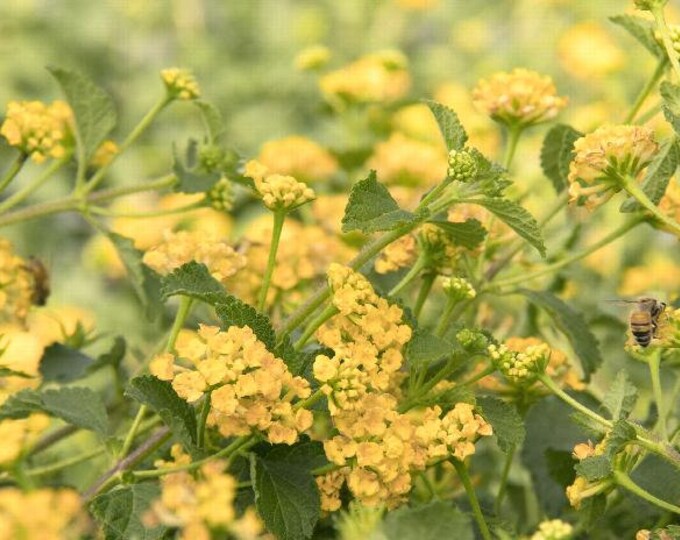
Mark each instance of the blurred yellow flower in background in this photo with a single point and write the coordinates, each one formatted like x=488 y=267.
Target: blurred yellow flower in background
x=586 y=51
x=298 y=156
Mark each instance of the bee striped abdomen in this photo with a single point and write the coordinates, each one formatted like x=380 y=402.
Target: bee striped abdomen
x=642 y=327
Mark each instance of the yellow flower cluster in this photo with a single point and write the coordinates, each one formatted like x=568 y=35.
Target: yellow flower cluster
x=39 y=130
x=377 y=77
x=54 y=514
x=16 y=285
x=202 y=504
x=408 y=162
x=576 y=46
x=554 y=529
x=299 y=157
x=520 y=97
x=278 y=191
x=398 y=254
x=180 y=83
x=179 y=248
x=313 y=57
x=18 y=435
x=453 y=434
x=674 y=33
x=520 y=368
x=606 y=155
x=250 y=389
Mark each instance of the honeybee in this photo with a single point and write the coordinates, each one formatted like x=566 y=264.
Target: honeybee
x=644 y=319
x=41 y=281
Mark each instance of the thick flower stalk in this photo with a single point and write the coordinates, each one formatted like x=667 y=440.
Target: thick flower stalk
x=278 y=192
x=180 y=84
x=179 y=248
x=519 y=98
x=604 y=158
x=250 y=389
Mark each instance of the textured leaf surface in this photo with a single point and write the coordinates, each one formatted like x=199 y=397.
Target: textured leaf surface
x=594 y=467
x=425 y=348
x=557 y=153
x=621 y=396
x=507 y=424
x=63 y=364
x=449 y=124
x=192 y=279
x=433 y=521
x=234 y=312
x=671 y=104
x=468 y=234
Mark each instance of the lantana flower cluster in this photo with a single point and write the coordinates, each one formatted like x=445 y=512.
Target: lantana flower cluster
x=278 y=191
x=16 y=285
x=200 y=504
x=40 y=131
x=520 y=367
x=553 y=529
x=250 y=389
x=180 y=84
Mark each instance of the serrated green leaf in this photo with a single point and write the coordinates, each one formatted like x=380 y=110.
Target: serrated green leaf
x=64 y=364
x=515 y=217
x=120 y=512
x=145 y=282
x=192 y=178
x=80 y=407
x=671 y=104
x=658 y=174
x=286 y=495
x=573 y=325
x=621 y=396
x=177 y=414
x=557 y=152
x=560 y=466
x=449 y=124
x=234 y=312
x=192 y=279
x=296 y=361
x=93 y=110
x=212 y=120
x=622 y=433
x=506 y=422
x=425 y=348
x=594 y=467
x=642 y=30
x=591 y=512
x=433 y=521
x=371 y=208
x=658 y=477
x=468 y=234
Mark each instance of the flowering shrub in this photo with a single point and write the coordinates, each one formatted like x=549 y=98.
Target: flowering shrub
x=401 y=334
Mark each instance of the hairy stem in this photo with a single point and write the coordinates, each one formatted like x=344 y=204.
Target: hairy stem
x=13 y=170
x=22 y=194
x=640 y=196
x=461 y=469
x=654 y=364
x=279 y=218
x=504 y=479
x=410 y=275
x=423 y=293
x=624 y=481
x=550 y=384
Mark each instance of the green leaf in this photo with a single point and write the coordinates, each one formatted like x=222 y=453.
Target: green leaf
x=95 y=115
x=573 y=325
x=80 y=407
x=194 y=280
x=557 y=153
x=591 y=513
x=145 y=282
x=120 y=512
x=192 y=178
x=621 y=434
x=468 y=233
x=432 y=521
x=7 y=372
x=234 y=312
x=507 y=423
x=671 y=104
x=114 y=357
x=657 y=176
x=212 y=120
x=425 y=348
x=371 y=208
x=64 y=364
x=449 y=124
x=286 y=495
x=594 y=467
x=642 y=30
x=515 y=217
x=658 y=477
x=296 y=361
x=177 y=414
x=621 y=396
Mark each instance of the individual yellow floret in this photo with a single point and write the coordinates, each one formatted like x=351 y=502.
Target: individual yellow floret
x=180 y=83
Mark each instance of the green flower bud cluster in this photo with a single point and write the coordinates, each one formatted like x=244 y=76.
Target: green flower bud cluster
x=462 y=166
x=221 y=195
x=472 y=340
x=520 y=368
x=458 y=288
x=213 y=158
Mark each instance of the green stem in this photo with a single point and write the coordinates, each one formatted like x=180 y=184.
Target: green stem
x=314 y=325
x=549 y=269
x=13 y=170
x=130 y=437
x=624 y=481
x=422 y=389
x=550 y=384
x=143 y=124
x=22 y=194
x=202 y=419
x=144 y=215
x=644 y=93
x=72 y=204
x=654 y=363
x=514 y=133
x=311 y=400
x=662 y=27
x=279 y=218
x=420 y=263
x=423 y=293
x=461 y=469
x=66 y=463
x=183 y=310
x=446 y=317
x=504 y=479
x=636 y=192
x=325 y=469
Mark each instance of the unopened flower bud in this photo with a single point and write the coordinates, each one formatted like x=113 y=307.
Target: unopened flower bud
x=554 y=529
x=458 y=288
x=462 y=166
x=472 y=340
x=221 y=195
x=180 y=84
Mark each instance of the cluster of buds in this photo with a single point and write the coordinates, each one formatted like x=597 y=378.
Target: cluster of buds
x=179 y=248
x=603 y=158
x=38 y=130
x=440 y=250
x=180 y=84
x=553 y=529
x=250 y=389
x=666 y=533
x=16 y=285
x=462 y=166
x=278 y=191
x=518 y=98
x=200 y=504
x=520 y=368
x=458 y=289
x=299 y=157
x=649 y=5
x=221 y=195
x=472 y=340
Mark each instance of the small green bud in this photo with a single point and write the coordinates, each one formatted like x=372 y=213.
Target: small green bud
x=472 y=340
x=221 y=195
x=462 y=166
x=520 y=368
x=458 y=288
